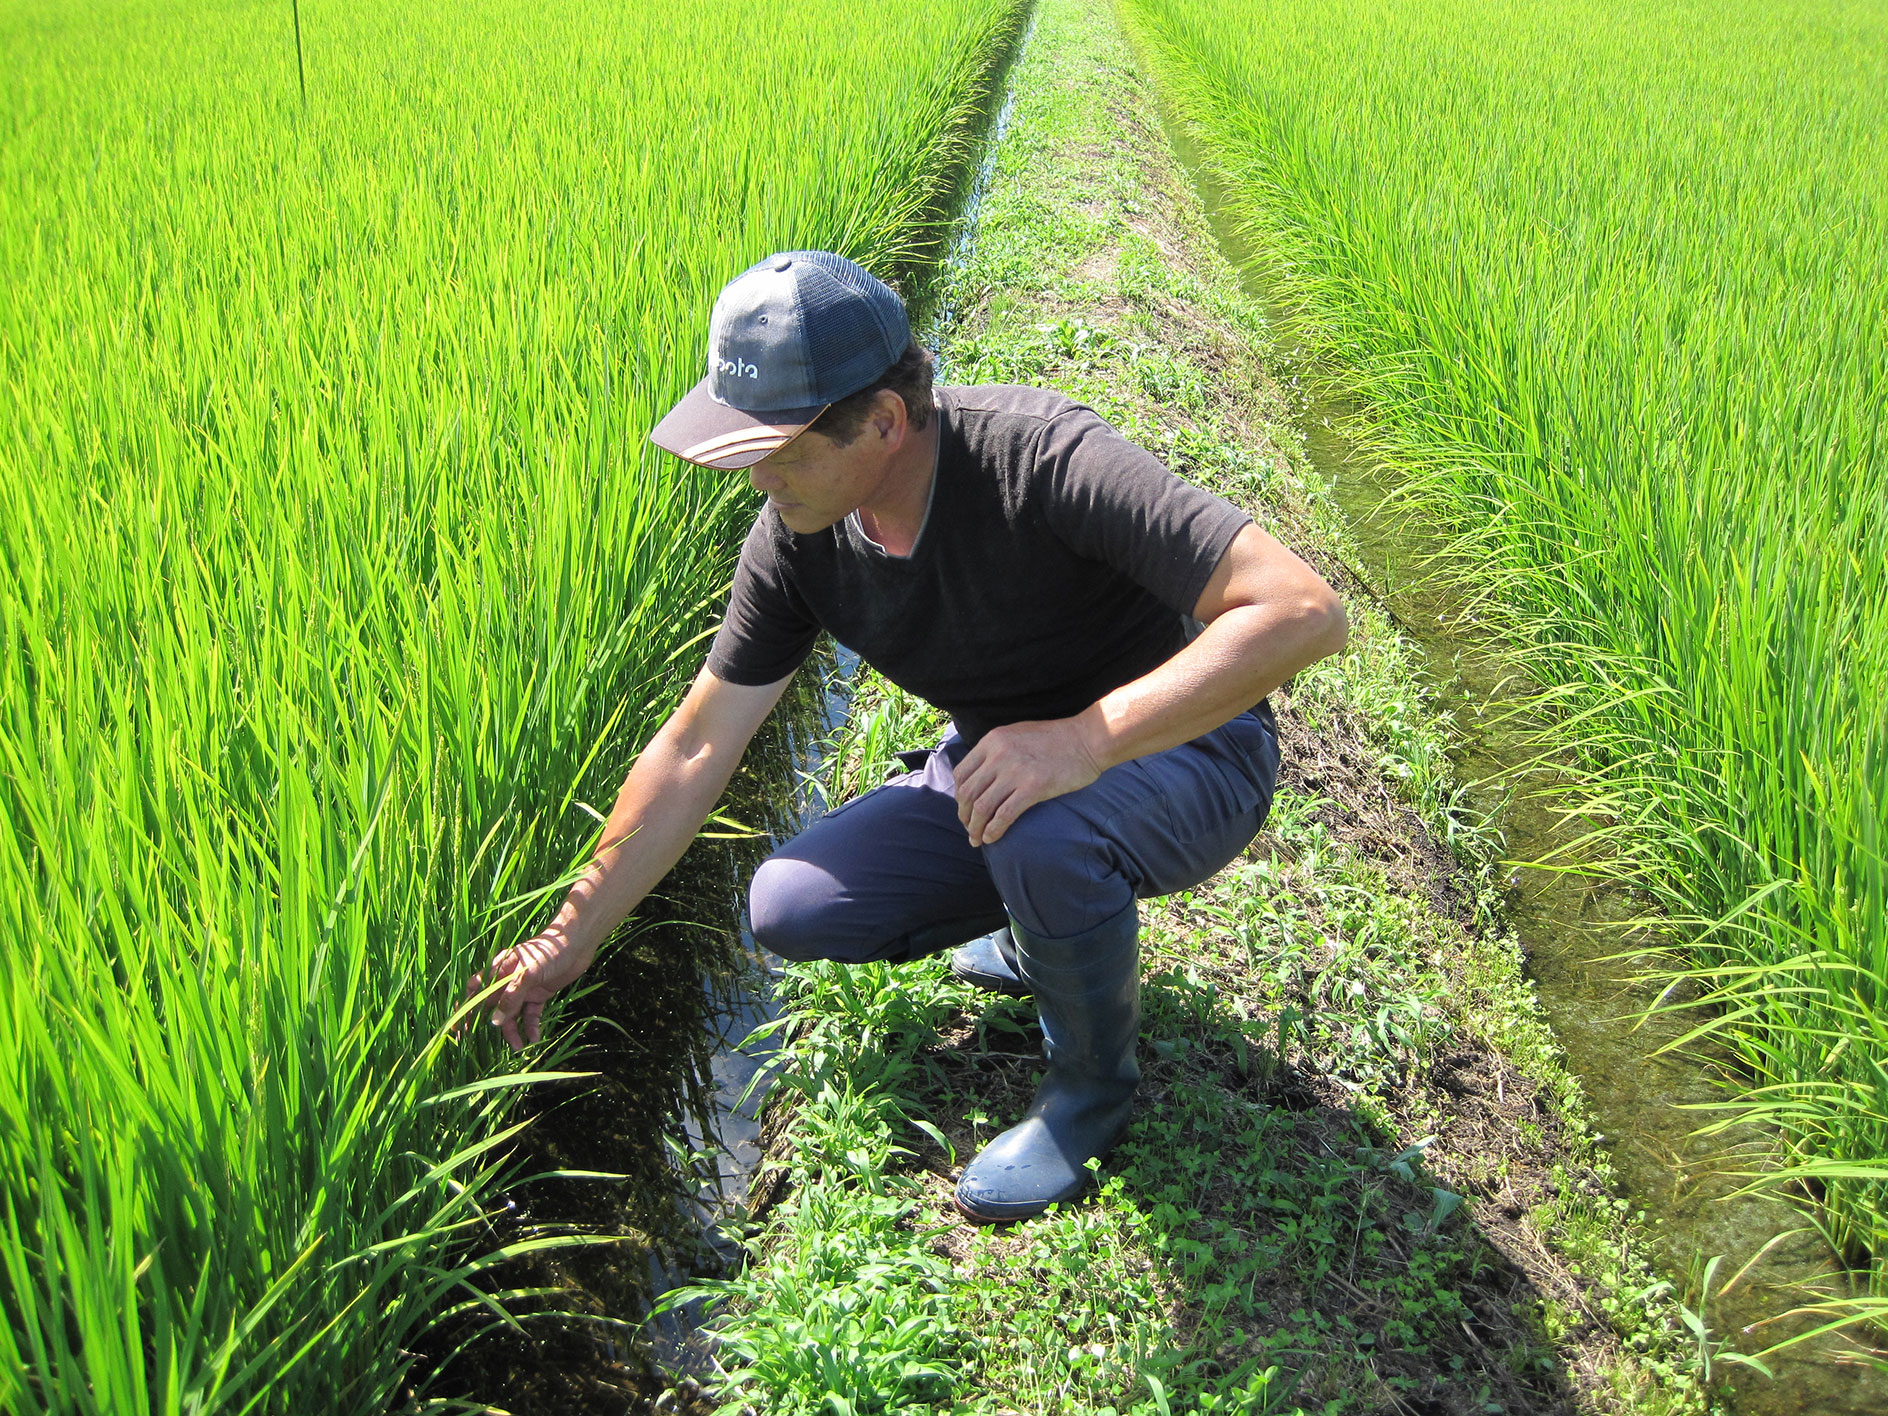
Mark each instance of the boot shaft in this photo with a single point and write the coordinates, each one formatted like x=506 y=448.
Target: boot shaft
x=1088 y=994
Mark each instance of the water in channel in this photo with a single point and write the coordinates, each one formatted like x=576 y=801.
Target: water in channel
x=1571 y=928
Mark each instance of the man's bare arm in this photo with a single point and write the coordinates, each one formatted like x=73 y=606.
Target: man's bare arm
x=1267 y=615
x=675 y=783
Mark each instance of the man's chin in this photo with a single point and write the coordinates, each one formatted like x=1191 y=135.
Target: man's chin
x=802 y=521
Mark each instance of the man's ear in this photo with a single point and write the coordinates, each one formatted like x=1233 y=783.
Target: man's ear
x=889 y=415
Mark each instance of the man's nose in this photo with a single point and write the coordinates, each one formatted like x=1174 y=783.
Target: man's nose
x=763 y=478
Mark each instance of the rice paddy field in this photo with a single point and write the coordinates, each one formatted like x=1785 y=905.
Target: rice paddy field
x=336 y=579
x=1611 y=282
x=339 y=585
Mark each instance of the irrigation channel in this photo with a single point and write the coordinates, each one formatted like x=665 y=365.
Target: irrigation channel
x=1582 y=936
x=727 y=1134
x=658 y=1113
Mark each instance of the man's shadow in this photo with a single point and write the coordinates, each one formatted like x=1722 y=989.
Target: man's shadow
x=1309 y=1255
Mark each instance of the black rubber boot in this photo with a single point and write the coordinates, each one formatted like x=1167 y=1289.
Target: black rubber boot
x=1088 y=992
x=990 y=964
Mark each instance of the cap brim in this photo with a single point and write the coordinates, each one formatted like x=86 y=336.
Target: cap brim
x=702 y=430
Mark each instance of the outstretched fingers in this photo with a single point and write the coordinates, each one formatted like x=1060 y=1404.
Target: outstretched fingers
x=511 y=1004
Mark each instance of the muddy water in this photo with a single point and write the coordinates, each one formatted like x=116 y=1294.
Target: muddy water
x=1573 y=930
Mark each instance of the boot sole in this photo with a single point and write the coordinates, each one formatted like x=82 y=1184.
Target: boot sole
x=989 y=983
x=978 y=1217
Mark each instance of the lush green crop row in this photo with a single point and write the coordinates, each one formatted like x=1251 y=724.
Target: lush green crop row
x=335 y=572
x=1614 y=278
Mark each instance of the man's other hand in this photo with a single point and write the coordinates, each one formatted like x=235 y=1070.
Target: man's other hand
x=1015 y=767
x=536 y=971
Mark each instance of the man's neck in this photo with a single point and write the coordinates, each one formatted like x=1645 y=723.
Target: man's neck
x=895 y=516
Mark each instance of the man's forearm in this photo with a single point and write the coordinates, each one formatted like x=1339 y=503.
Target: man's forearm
x=1240 y=657
x=662 y=804
x=663 y=801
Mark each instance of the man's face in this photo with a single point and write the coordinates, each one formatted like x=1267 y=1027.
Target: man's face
x=814 y=483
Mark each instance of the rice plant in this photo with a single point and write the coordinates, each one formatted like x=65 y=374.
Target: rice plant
x=336 y=577
x=1614 y=281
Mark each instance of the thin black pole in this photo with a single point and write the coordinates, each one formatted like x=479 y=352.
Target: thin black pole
x=301 y=72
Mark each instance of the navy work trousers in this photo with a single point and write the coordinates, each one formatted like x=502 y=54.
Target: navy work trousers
x=892 y=875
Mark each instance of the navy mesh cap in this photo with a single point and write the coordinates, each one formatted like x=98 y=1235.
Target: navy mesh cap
x=789 y=336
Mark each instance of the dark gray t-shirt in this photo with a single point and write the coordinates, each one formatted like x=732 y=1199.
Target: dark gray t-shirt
x=1057 y=561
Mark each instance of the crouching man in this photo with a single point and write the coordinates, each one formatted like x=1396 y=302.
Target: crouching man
x=1102 y=633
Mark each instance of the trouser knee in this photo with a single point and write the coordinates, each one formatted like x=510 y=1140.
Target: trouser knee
x=1057 y=877
x=798 y=911
x=790 y=910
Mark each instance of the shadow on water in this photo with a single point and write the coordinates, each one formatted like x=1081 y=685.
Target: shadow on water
x=1580 y=942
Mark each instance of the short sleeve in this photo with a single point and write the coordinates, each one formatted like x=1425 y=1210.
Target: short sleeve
x=769 y=630
x=1115 y=502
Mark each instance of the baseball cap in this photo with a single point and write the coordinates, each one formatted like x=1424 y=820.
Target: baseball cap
x=789 y=337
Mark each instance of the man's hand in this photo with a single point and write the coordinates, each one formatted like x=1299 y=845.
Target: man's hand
x=537 y=969
x=663 y=801
x=1015 y=767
